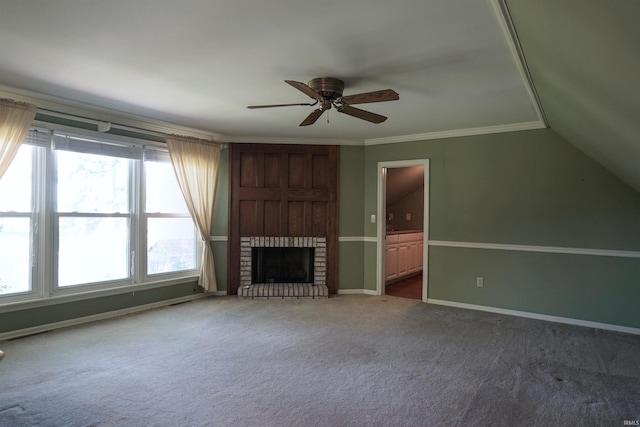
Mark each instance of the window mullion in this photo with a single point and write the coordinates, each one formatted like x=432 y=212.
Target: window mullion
x=138 y=229
x=43 y=199
x=54 y=221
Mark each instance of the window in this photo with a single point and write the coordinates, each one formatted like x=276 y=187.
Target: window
x=89 y=213
x=16 y=224
x=171 y=236
x=93 y=218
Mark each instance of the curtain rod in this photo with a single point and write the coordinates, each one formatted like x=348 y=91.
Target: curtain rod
x=101 y=125
x=104 y=126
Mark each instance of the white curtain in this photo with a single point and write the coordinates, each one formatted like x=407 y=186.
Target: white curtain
x=15 y=120
x=195 y=163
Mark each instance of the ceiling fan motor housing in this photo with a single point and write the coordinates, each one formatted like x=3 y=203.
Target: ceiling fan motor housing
x=328 y=87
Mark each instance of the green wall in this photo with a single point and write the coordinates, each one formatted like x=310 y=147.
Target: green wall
x=519 y=188
x=351 y=218
x=33 y=317
x=593 y=288
x=220 y=226
x=522 y=188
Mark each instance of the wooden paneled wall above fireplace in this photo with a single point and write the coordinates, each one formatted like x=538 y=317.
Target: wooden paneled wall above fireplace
x=283 y=191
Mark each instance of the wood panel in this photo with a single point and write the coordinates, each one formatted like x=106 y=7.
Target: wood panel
x=297 y=170
x=319 y=222
x=272 y=218
x=296 y=219
x=248 y=170
x=320 y=166
x=272 y=166
x=249 y=212
x=283 y=190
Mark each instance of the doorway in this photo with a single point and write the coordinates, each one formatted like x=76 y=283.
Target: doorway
x=403 y=227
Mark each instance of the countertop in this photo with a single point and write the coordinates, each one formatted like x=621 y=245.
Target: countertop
x=390 y=233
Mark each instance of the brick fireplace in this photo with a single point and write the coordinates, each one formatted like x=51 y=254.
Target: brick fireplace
x=252 y=288
x=283 y=196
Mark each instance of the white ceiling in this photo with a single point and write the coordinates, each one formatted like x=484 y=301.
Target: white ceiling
x=199 y=63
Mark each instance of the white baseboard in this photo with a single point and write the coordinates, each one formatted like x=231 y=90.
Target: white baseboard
x=536 y=316
x=101 y=316
x=356 y=292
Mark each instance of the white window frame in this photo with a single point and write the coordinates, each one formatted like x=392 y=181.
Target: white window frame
x=39 y=138
x=44 y=287
x=155 y=154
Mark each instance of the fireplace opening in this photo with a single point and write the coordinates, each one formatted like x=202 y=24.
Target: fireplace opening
x=282 y=265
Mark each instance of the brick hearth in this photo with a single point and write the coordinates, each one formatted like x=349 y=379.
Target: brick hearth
x=318 y=289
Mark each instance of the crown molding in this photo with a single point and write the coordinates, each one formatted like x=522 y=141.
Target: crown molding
x=515 y=127
x=291 y=140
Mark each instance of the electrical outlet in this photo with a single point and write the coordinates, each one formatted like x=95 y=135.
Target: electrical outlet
x=373 y=219
x=479 y=282
x=408 y=216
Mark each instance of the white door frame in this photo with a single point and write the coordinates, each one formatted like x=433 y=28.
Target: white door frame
x=381 y=229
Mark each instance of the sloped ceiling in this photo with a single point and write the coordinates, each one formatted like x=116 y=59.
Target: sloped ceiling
x=200 y=63
x=584 y=58
x=403 y=181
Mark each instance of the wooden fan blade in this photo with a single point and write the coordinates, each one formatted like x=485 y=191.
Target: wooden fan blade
x=377 y=96
x=277 y=105
x=362 y=114
x=311 y=118
x=304 y=89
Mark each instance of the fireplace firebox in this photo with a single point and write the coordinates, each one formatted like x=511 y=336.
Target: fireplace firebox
x=282 y=265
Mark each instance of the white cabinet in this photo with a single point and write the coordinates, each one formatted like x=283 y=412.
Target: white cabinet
x=391 y=257
x=403 y=259
x=412 y=257
x=403 y=255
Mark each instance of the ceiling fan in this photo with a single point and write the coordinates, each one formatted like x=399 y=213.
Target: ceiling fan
x=327 y=92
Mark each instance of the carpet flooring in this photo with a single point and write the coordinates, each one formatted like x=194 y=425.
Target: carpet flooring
x=350 y=360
